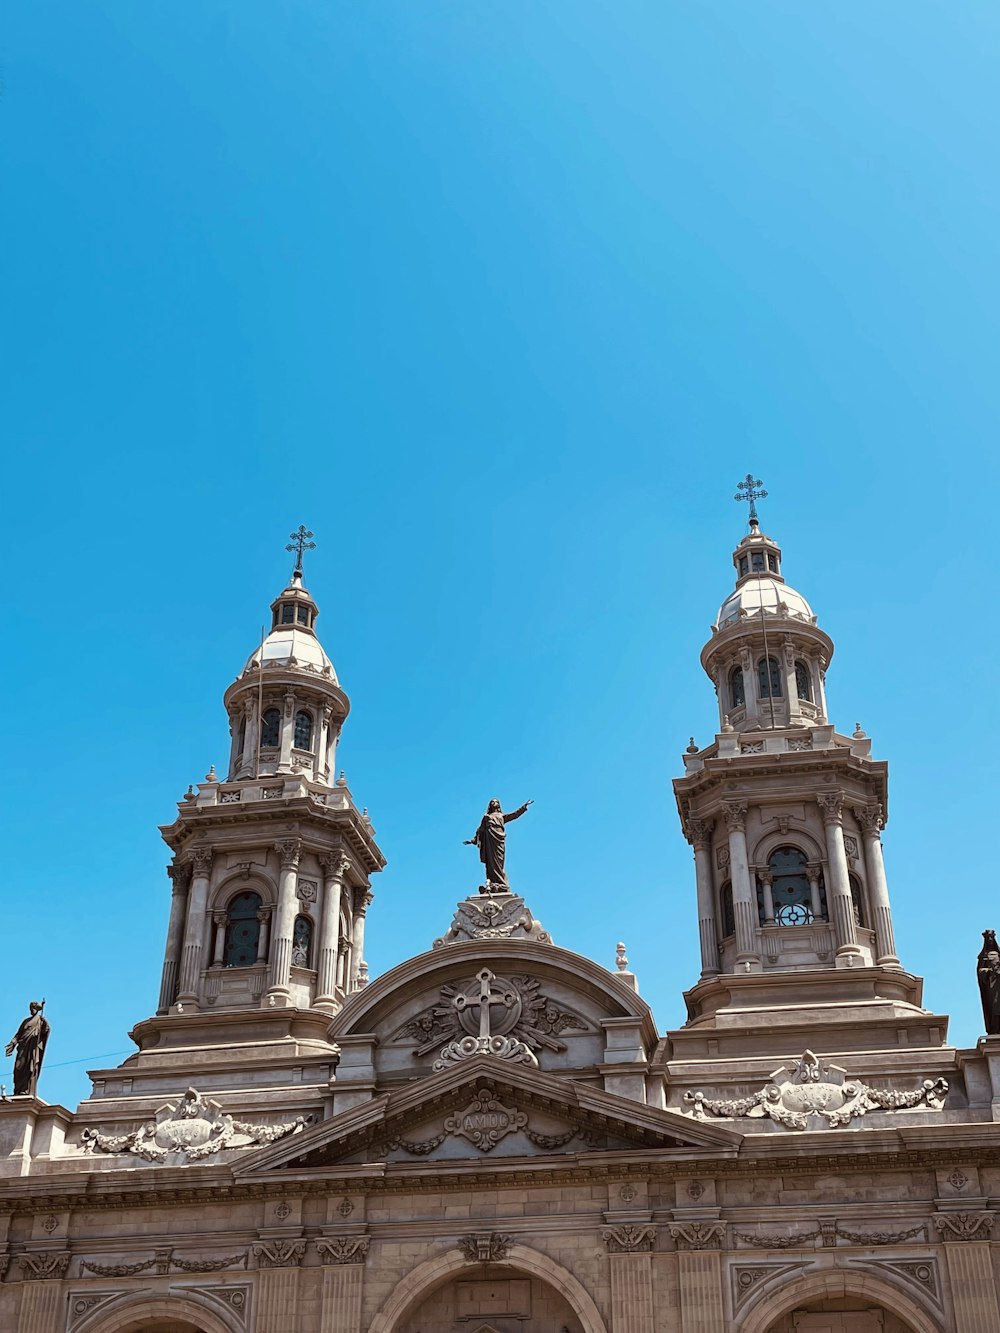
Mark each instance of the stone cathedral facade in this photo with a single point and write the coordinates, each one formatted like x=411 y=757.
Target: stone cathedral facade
x=495 y=1136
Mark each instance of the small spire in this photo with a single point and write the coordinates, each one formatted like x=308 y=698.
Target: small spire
x=621 y=959
x=300 y=542
x=692 y=748
x=750 y=489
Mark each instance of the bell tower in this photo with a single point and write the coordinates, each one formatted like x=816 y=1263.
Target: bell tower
x=271 y=879
x=784 y=814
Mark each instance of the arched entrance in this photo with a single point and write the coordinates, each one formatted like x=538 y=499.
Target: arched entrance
x=488 y=1297
x=836 y=1302
x=164 y=1314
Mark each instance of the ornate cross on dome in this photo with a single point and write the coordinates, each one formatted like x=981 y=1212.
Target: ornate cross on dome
x=751 y=490
x=300 y=542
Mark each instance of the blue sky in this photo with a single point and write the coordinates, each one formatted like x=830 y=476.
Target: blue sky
x=501 y=300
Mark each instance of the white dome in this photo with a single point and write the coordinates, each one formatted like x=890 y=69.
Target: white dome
x=777 y=599
x=287 y=642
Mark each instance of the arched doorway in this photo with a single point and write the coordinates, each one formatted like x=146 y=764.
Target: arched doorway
x=166 y=1314
x=527 y=1293
x=837 y=1302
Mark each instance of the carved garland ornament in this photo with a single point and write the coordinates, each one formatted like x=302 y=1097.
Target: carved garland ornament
x=793 y=1097
x=194 y=1127
x=162 y=1261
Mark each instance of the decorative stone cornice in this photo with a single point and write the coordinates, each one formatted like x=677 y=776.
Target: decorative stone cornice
x=964 y=1226
x=831 y=804
x=629 y=1239
x=289 y=850
x=485 y=1247
x=279 y=1253
x=343 y=1249
x=35 y=1267
x=698 y=1235
x=735 y=814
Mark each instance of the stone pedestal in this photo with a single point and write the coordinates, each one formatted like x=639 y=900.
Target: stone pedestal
x=493 y=916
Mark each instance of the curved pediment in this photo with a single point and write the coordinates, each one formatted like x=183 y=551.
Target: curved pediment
x=562 y=1009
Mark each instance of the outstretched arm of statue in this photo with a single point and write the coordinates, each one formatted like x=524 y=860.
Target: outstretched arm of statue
x=516 y=814
x=12 y=1046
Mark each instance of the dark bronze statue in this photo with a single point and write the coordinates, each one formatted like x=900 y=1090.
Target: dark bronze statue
x=491 y=837
x=988 y=971
x=29 y=1041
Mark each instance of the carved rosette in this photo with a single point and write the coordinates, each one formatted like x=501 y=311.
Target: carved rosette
x=36 y=1267
x=697 y=1235
x=629 y=1239
x=964 y=1226
x=343 y=1249
x=487 y=1247
x=279 y=1253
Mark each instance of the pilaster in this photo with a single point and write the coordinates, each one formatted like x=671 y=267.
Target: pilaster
x=699 y=1269
x=278 y=1284
x=744 y=898
x=700 y=833
x=966 y=1238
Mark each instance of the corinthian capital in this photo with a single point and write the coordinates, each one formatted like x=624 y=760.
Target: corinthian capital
x=831 y=803
x=335 y=864
x=735 y=813
x=699 y=831
x=179 y=875
x=869 y=817
x=363 y=899
x=201 y=858
x=289 y=849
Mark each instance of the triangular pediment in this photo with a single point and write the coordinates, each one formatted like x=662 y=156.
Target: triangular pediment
x=489 y=1109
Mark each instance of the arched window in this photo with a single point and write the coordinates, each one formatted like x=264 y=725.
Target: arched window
x=303 y=730
x=858 y=899
x=242 y=931
x=803 y=686
x=727 y=917
x=737 y=691
x=270 y=731
x=790 y=890
x=769 y=678
x=302 y=935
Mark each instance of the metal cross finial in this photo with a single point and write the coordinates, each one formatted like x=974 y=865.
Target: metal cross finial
x=752 y=490
x=300 y=542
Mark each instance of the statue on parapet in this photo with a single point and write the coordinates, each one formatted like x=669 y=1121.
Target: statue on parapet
x=988 y=972
x=29 y=1041
x=491 y=837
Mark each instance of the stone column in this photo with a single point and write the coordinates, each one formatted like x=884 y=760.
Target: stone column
x=744 y=898
x=343 y=964
x=362 y=901
x=813 y=873
x=870 y=819
x=335 y=867
x=264 y=917
x=753 y=704
x=194 y=928
x=41 y=1307
x=290 y=850
x=700 y=834
x=343 y=1259
x=791 y=688
x=967 y=1254
x=249 y=756
x=180 y=875
x=831 y=805
x=278 y=1284
x=220 y=920
x=699 y=1270
x=766 y=878
x=287 y=732
x=819 y=683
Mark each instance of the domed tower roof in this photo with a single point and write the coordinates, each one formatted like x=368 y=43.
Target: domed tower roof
x=292 y=641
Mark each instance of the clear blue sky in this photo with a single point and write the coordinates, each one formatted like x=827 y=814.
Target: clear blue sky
x=501 y=299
